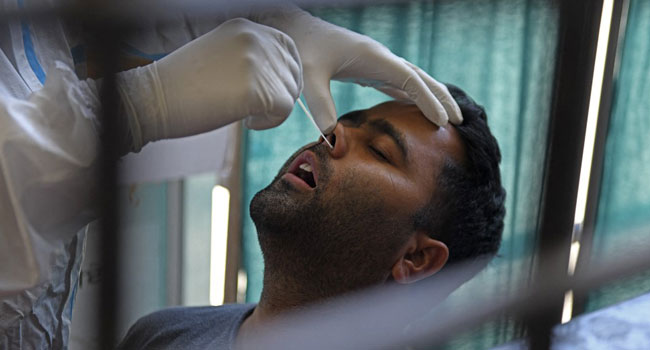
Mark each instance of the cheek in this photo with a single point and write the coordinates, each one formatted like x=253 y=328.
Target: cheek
x=392 y=191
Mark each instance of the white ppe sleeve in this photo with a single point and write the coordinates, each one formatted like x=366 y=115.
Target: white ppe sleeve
x=48 y=149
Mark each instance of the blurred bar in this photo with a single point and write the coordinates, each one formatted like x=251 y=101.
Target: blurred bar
x=108 y=34
x=578 y=34
x=619 y=20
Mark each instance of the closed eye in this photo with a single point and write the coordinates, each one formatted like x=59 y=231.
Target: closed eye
x=379 y=154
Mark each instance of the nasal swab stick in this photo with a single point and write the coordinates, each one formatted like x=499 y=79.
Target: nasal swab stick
x=304 y=108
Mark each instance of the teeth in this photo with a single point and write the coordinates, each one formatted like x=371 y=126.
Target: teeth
x=305 y=167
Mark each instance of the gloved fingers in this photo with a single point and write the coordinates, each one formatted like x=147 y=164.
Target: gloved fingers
x=397 y=74
x=268 y=120
x=394 y=93
x=295 y=83
x=262 y=122
x=279 y=110
x=283 y=87
x=319 y=99
x=291 y=56
x=442 y=94
x=419 y=93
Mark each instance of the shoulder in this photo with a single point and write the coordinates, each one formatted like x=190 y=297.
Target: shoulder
x=187 y=327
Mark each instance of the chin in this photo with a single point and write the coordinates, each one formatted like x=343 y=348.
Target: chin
x=271 y=209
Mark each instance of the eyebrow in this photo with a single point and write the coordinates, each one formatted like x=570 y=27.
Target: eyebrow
x=384 y=127
x=359 y=117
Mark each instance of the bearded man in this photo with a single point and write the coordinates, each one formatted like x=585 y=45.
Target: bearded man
x=395 y=201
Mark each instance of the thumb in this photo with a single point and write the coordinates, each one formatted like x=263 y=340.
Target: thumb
x=263 y=123
x=319 y=99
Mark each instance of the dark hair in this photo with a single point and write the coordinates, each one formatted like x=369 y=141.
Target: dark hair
x=466 y=212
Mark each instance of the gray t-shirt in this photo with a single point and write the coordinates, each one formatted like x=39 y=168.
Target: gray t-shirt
x=207 y=327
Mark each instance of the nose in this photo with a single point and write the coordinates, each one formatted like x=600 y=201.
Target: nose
x=337 y=139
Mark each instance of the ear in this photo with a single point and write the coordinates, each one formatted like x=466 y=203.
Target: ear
x=421 y=257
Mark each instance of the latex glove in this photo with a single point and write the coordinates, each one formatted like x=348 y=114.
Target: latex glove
x=239 y=70
x=331 y=52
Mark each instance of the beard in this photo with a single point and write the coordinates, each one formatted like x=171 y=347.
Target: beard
x=331 y=241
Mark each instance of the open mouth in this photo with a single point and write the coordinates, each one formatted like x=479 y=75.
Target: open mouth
x=304 y=170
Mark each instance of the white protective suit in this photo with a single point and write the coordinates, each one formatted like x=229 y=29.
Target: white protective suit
x=45 y=160
x=49 y=135
x=49 y=129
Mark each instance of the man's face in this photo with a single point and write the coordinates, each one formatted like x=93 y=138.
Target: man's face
x=339 y=218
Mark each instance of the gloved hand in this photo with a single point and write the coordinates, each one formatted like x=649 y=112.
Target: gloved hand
x=239 y=70
x=331 y=52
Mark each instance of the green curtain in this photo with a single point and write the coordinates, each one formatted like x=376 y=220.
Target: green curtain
x=623 y=219
x=502 y=52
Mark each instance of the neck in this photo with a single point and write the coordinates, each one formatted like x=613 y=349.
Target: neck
x=297 y=274
x=281 y=293
x=284 y=292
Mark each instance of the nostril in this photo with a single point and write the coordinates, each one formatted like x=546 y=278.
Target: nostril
x=332 y=139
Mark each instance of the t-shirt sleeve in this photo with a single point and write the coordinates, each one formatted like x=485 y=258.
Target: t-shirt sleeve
x=187 y=328
x=149 y=332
